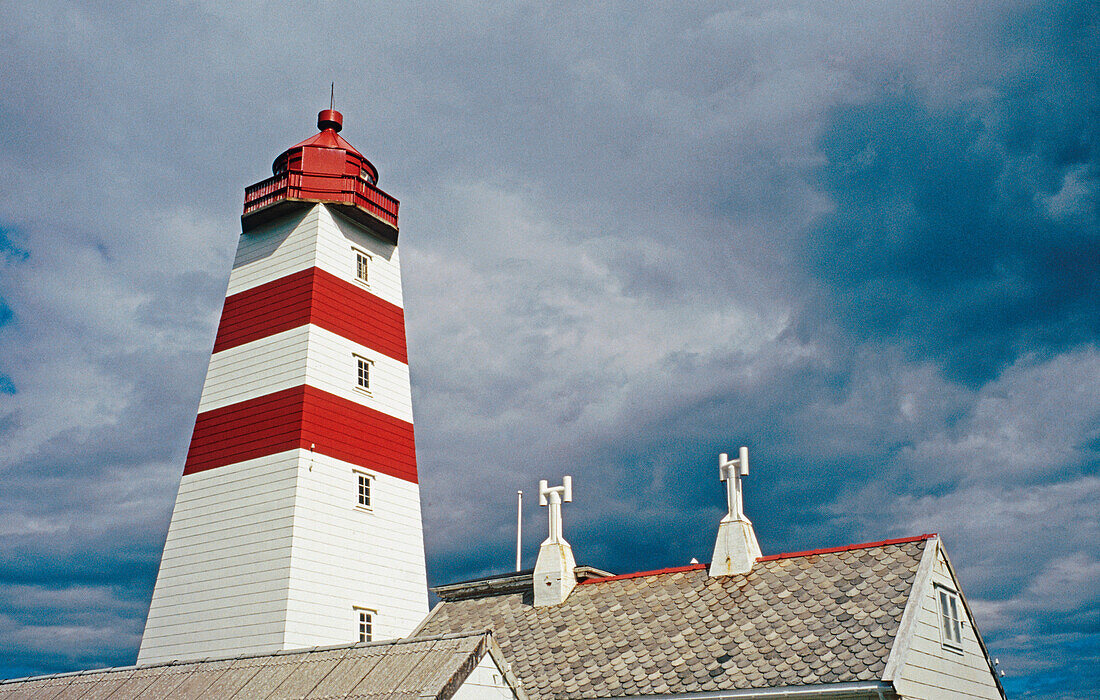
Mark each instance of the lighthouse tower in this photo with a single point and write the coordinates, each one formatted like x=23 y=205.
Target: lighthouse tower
x=297 y=521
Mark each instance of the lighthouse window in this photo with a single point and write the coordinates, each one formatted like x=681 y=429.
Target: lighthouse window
x=363 y=368
x=366 y=624
x=362 y=267
x=363 y=494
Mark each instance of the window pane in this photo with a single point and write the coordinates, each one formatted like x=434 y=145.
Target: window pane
x=361 y=267
x=944 y=616
x=366 y=626
x=955 y=627
x=364 y=490
x=363 y=377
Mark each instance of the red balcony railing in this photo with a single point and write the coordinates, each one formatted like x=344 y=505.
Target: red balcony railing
x=345 y=190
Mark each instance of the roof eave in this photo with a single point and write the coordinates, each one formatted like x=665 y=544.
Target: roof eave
x=907 y=625
x=858 y=689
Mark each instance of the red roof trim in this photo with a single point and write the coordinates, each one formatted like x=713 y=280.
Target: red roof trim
x=620 y=577
x=847 y=548
x=770 y=557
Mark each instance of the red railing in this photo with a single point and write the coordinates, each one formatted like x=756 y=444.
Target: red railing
x=346 y=189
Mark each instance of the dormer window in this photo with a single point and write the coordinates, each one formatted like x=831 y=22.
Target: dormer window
x=950 y=619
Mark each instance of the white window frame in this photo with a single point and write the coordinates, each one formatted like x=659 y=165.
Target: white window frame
x=361 y=362
x=360 y=477
x=952 y=617
x=365 y=618
x=366 y=259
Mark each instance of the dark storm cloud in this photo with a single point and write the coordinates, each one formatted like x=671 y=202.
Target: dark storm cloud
x=861 y=240
x=969 y=233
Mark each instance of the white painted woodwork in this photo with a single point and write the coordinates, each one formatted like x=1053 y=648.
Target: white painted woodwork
x=275 y=553
x=345 y=557
x=321 y=239
x=736 y=548
x=553 y=578
x=929 y=671
x=223 y=578
x=485 y=682
x=306 y=355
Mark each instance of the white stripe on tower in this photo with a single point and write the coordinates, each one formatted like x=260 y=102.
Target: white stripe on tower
x=306 y=355
x=269 y=546
x=321 y=239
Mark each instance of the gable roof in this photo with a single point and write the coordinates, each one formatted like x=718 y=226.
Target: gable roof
x=822 y=617
x=430 y=668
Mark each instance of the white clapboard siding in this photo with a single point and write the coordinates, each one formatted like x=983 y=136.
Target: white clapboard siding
x=306 y=355
x=932 y=672
x=320 y=238
x=275 y=553
x=225 y=569
x=346 y=557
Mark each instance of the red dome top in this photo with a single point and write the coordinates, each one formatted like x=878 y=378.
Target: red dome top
x=329 y=121
x=324 y=168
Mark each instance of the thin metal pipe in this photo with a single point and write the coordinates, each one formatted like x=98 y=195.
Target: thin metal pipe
x=519 y=530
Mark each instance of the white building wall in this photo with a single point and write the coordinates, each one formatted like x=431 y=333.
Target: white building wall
x=255 y=369
x=274 y=250
x=333 y=368
x=932 y=672
x=225 y=571
x=323 y=239
x=486 y=682
x=273 y=553
x=306 y=355
x=339 y=235
x=345 y=557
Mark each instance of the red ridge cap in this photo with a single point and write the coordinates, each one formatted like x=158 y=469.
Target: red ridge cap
x=847 y=547
x=620 y=577
x=770 y=557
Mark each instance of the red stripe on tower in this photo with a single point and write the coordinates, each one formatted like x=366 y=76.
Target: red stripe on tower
x=303 y=417
x=318 y=297
x=312 y=360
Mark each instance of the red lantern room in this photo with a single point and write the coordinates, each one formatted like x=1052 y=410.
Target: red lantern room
x=323 y=168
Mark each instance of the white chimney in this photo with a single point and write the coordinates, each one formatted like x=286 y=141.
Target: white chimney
x=554 y=578
x=736 y=549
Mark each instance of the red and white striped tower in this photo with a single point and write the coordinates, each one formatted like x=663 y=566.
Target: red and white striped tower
x=297 y=521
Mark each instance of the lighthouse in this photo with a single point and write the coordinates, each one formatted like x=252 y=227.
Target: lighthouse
x=297 y=522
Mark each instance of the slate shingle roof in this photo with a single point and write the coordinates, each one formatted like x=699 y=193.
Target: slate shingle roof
x=416 y=669
x=791 y=621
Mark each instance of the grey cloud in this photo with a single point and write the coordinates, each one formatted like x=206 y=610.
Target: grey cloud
x=632 y=238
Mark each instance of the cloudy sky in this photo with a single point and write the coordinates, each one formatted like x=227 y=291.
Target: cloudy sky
x=862 y=239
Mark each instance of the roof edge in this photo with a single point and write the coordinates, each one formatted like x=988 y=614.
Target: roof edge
x=899 y=648
x=770 y=557
x=871 y=688
x=511 y=582
x=639 y=574
x=254 y=655
x=849 y=547
x=497 y=654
